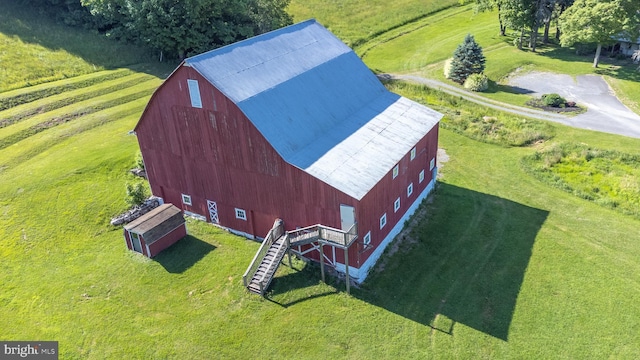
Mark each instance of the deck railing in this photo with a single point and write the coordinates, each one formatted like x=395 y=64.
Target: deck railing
x=273 y=235
x=324 y=233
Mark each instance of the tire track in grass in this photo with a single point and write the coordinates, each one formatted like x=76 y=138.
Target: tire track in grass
x=87 y=122
x=14 y=98
x=19 y=131
x=26 y=111
x=48 y=124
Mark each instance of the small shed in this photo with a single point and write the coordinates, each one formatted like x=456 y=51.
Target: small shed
x=155 y=230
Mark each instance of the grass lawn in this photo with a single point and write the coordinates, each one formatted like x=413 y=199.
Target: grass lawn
x=373 y=17
x=500 y=266
x=422 y=47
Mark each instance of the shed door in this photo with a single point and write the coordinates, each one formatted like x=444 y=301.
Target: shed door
x=135 y=241
x=347 y=217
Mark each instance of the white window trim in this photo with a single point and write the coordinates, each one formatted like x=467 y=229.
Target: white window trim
x=421 y=177
x=432 y=164
x=396 y=170
x=409 y=189
x=366 y=240
x=194 y=93
x=241 y=214
x=413 y=153
x=186 y=199
x=396 y=205
x=383 y=220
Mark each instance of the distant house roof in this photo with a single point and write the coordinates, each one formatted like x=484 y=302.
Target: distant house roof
x=318 y=104
x=156 y=223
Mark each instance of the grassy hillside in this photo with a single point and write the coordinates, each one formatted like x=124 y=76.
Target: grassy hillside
x=357 y=21
x=34 y=49
x=499 y=265
x=421 y=47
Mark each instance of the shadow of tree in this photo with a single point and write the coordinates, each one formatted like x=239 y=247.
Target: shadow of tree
x=182 y=255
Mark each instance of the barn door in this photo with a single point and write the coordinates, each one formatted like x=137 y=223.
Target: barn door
x=213 y=211
x=347 y=217
x=135 y=242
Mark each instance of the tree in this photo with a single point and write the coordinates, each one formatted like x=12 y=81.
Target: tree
x=181 y=28
x=600 y=22
x=467 y=59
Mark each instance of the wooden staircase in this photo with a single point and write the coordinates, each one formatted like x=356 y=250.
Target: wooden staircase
x=263 y=267
x=268 y=266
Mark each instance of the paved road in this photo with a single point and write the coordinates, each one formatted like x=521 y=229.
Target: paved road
x=605 y=112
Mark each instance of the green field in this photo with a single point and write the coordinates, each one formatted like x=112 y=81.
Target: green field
x=498 y=265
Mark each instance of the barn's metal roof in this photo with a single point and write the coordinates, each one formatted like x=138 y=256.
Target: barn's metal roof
x=318 y=104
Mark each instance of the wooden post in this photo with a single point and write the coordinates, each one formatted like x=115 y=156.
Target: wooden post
x=346 y=264
x=322 y=262
x=289 y=250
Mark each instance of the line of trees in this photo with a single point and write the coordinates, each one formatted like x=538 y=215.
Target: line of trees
x=175 y=28
x=598 y=22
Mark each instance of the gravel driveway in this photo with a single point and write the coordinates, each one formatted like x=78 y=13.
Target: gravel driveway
x=605 y=112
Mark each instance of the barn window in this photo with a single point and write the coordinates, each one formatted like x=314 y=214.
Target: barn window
x=186 y=199
x=396 y=205
x=367 y=239
x=421 y=176
x=409 y=189
x=383 y=220
x=413 y=153
x=241 y=214
x=194 y=93
x=395 y=171
x=432 y=164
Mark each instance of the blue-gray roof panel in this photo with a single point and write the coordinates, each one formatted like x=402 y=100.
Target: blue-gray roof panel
x=318 y=105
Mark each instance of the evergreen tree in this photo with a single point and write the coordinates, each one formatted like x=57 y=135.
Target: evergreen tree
x=467 y=59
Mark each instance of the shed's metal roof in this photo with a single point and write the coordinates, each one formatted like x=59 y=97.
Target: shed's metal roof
x=318 y=104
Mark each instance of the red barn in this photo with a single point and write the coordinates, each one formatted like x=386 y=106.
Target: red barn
x=290 y=125
x=155 y=231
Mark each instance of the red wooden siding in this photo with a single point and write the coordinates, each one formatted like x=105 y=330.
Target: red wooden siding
x=167 y=240
x=381 y=198
x=216 y=154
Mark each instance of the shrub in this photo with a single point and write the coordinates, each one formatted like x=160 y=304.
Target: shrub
x=553 y=100
x=447 y=68
x=139 y=162
x=136 y=194
x=477 y=82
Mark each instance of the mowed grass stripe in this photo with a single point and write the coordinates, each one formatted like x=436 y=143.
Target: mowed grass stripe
x=25 y=95
x=38 y=143
x=22 y=130
x=24 y=111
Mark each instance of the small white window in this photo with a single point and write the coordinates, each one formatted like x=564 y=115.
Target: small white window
x=383 y=220
x=186 y=199
x=409 y=189
x=241 y=214
x=395 y=171
x=194 y=93
x=432 y=164
x=396 y=205
x=367 y=239
x=421 y=176
x=413 y=153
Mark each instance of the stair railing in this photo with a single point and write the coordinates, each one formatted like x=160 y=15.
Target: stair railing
x=272 y=236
